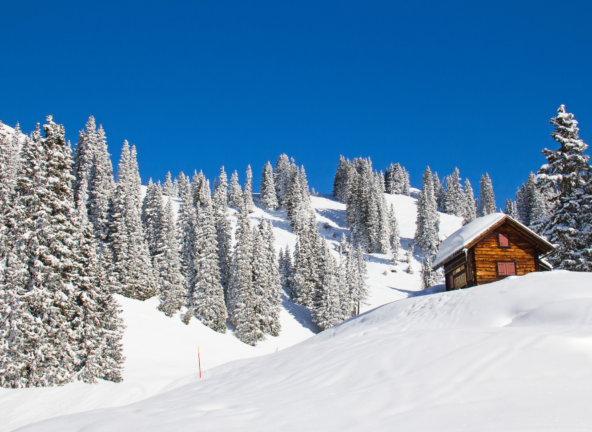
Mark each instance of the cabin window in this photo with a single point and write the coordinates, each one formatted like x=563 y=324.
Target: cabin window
x=506 y=268
x=504 y=240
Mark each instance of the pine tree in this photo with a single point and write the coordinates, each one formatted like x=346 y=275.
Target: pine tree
x=167 y=188
x=183 y=186
x=220 y=196
x=93 y=162
x=395 y=242
x=135 y=180
x=283 y=175
x=339 y=182
x=511 y=210
x=248 y=192
x=167 y=263
x=40 y=275
x=286 y=267
x=244 y=303
x=235 y=194
x=428 y=219
x=439 y=192
x=406 y=185
x=97 y=322
x=486 y=196
x=130 y=267
x=327 y=310
x=200 y=189
x=306 y=266
x=566 y=175
x=206 y=294
x=360 y=289
x=268 y=193
x=470 y=213
x=266 y=278
x=429 y=277
x=187 y=227
x=152 y=218
x=454 y=201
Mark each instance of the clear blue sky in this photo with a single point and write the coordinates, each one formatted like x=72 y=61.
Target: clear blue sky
x=200 y=84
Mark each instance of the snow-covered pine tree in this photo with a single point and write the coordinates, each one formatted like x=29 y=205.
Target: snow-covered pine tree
x=244 y=301
x=406 y=185
x=187 y=227
x=439 y=192
x=305 y=274
x=470 y=213
x=381 y=182
x=486 y=196
x=510 y=209
x=167 y=263
x=206 y=295
x=384 y=237
x=454 y=201
x=286 y=268
x=200 y=189
x=9 y=166
x=394 y=240
x=152 y=219
x=235 y=194
x=268 y=194
x=168 y=188
x=83 y=164
x=97 y=323
x=429 y=277
x=248 y=192
x=360 y=291
x=327 y=311
x=183 y=186
x=271 y=280
x=397 y=179
x=220 y=196
x=131 y=266
x=428 y=219
x=93 y=161
x=339 y=181
x=566 y=175
x=41 y=272
x=283 y=174
x=135 y=180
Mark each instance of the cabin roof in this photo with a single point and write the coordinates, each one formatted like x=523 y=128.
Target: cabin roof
x=472 y=233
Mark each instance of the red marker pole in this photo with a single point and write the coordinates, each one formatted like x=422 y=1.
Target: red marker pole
x=199 y=361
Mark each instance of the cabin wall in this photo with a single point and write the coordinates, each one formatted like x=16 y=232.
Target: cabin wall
x=488 y=252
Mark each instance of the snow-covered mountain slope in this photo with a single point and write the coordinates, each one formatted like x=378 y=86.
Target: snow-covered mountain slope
x=160 y=351
x=514 y=355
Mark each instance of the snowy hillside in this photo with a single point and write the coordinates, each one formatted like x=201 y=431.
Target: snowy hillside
x=512 y=355
x=160 y=351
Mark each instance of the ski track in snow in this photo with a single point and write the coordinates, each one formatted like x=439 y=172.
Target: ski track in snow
x=161 y=352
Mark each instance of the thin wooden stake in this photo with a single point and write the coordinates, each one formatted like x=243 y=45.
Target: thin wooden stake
x=199 y=361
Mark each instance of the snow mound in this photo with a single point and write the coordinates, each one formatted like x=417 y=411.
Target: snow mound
x=512 y=355
x=457 y=240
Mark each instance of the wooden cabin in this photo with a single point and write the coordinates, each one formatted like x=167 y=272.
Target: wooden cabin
x=489 y=249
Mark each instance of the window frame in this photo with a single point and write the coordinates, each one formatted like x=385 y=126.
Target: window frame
x=499 y=243
x=505 y=262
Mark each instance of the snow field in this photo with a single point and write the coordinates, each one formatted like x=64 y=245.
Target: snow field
x=515 y=355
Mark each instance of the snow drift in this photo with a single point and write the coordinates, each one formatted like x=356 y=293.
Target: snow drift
x=512 y=355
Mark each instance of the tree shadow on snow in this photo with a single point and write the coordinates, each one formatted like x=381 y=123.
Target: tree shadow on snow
x=300 y=314
x=431 y=290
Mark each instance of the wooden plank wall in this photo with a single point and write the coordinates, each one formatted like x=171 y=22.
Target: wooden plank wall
x=487 y=253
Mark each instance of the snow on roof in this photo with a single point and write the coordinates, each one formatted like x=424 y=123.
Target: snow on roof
x=459 y=239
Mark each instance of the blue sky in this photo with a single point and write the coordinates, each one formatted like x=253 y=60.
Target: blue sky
x=200 y=84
